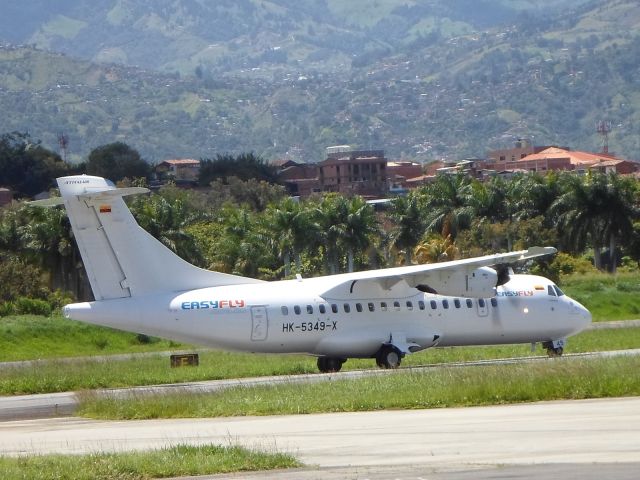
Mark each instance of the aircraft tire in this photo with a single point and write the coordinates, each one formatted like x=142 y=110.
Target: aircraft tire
x=555 y=352
x=329 y=364
x=388 y=357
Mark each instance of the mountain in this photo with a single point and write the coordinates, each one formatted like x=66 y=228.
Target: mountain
x=225 y=36
x=421 y=79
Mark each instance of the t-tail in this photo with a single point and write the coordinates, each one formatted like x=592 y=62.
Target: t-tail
x=121 y=259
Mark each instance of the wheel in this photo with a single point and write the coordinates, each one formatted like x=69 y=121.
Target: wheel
x=388 y=357
x=330 y=364
x=555 y=352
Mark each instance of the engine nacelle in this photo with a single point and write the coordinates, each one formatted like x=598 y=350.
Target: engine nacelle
x=478 y=283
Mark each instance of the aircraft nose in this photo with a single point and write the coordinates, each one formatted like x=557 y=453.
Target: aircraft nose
x=580 y=314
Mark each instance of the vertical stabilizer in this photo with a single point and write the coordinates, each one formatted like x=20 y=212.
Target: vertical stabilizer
x=121 y=258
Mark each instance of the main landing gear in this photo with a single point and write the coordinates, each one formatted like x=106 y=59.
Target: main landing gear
x=330 y=364
x=388 y=357
x=554 y=348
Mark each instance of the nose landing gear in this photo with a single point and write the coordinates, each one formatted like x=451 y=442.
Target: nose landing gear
x=554 y=348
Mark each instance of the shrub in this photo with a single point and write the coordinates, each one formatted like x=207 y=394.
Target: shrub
x=7 y=308
x=32 y=306
x=562 y=265
x=59 y=299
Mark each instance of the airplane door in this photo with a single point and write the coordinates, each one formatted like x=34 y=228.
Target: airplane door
x=483 y=309
x=259 y=324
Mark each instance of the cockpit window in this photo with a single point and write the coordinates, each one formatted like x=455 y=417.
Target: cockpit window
x=551 y=291
x=558 y=291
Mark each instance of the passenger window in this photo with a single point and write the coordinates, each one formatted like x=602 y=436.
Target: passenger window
x=296 y=309
x=481 y=303
x=359 y=307
x=551 y=291
x=322 y=308
x=285 y=310
x=409 y=305
x=420 y=304
x=456 y=302
x=372 y=307
x=383 y=306
x=445 y=303
x=309 y=309
x=494 y=302
x=334 y=308
x=433 y=304
x=347 y=308
x=469 y=303
x=396 y=305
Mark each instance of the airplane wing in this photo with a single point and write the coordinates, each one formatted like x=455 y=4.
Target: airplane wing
x=470 y=277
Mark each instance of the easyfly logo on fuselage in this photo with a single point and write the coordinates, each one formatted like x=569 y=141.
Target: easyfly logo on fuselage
x=212 y=304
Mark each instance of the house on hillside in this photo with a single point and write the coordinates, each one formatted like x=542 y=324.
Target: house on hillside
x=354 y=172
x=555 y=158
x=179 y=170
x=522 y=148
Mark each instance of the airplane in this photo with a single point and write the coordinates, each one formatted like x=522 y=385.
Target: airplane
x=140 y=285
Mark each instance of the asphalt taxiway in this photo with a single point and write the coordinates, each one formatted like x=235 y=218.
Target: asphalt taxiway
x=580 y=436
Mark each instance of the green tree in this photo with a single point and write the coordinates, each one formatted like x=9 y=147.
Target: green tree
x=409 y=223
x=242 y=246
x=116 y=161
x=168 y=221
x=596 y=208
x=449 y=205
x=360 y=225
x=244 y=166
x=26 y=167
x=256 y=194
x=292 y=228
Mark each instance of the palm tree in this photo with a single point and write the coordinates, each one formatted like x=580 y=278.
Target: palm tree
x=360 y=224
x=450 y=205
x=46 y=237
x=436 y=249
x=292 y=229
x=409 y=224
x=331 y=212
x=167 y=221
x=596 y=208
x=623 y=210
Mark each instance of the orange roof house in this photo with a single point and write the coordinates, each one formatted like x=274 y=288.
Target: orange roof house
x=554 y=158
x=179 y=169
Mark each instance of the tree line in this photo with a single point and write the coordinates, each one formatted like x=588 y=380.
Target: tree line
x=251 y=227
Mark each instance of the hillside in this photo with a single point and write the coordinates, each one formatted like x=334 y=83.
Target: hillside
x=427 y=96
x=233 y=36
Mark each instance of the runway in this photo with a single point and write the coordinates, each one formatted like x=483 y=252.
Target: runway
x=578 y=433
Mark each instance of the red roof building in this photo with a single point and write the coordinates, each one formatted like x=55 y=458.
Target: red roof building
x=555 y=158
x=179 y=169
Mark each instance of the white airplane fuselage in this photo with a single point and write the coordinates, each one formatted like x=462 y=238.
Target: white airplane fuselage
x=287 y=317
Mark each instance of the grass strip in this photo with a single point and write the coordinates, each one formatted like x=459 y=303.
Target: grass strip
x=58 y=377
x=608 y=297
x=448 y=387
x=181 y=460
x=28 y=337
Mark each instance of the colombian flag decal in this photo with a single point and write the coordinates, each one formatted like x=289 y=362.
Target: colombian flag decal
x=105 y=208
